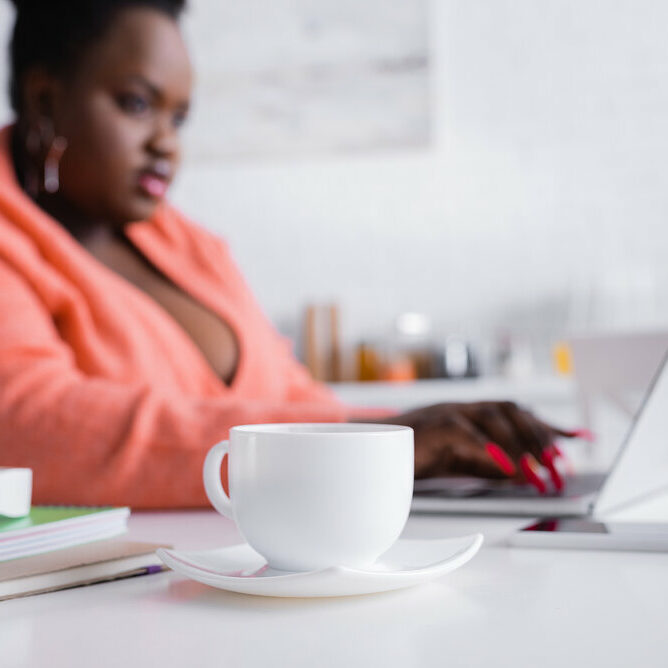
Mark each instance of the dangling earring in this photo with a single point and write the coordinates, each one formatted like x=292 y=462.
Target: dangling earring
x=52 y=164
x=41 y=139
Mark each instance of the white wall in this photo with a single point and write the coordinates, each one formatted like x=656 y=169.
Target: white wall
x=545 y=180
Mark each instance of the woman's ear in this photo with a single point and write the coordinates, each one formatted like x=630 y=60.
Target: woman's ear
x=38 y=91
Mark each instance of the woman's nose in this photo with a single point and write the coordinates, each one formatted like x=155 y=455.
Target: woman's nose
x=164 y=139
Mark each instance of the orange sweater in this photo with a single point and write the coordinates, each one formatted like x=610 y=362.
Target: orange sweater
x=102 y=393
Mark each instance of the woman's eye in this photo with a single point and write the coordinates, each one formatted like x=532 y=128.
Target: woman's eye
x=133 y=104
x=179 y=118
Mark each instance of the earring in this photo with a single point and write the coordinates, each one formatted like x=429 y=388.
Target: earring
x=52 y=164
x=41 y=139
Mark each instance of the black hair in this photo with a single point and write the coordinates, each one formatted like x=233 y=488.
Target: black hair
x=55 y=34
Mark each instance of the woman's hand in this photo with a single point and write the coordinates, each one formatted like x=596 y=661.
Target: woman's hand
x=489 y=439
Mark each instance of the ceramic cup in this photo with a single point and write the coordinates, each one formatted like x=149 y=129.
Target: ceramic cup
x=311 y=496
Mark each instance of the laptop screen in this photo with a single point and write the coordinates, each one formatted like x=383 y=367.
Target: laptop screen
x=641 y=467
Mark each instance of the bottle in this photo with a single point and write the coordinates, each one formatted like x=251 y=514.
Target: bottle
x=456 y=359
x=368 y=362
x=412 y=345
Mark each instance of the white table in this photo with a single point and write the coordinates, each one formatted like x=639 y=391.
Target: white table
x=508 y=606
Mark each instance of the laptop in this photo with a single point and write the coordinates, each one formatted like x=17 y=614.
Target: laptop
x=640 y=470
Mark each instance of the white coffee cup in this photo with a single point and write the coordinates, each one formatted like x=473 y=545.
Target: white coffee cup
x=311 y=496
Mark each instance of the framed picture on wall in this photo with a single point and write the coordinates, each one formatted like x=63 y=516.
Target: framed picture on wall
x=282 y=78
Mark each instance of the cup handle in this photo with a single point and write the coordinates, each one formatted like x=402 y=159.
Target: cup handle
x=212 y=485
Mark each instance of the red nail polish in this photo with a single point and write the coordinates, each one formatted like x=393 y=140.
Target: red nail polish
x=570 y=469
x=547 y=458
x=584 y=434
x=530 y=475
x=500 y=458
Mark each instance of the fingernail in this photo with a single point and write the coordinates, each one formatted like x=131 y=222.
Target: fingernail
x=584 y=434
x=558 y=452
x=547 y=458
x=500 y=458
x=527 y=464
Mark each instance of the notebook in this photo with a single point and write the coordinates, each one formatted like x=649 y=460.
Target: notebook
x=48 y=528
x=641 y=469
x=80 y=565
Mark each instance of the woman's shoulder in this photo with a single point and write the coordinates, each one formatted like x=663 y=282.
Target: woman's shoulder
x=17 y=242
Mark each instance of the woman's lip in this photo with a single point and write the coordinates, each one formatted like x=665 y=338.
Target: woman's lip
x=152 y=185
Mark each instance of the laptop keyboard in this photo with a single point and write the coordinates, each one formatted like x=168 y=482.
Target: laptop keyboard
x=459 y=488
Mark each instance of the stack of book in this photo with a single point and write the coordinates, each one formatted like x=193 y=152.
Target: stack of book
x=55 y=547
x=48 y=528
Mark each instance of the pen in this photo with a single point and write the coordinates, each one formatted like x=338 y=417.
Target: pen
x=144 y=570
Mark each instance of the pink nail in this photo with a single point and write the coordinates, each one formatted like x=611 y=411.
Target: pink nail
x=547 y=458
x=500 y=458
x=558 y=452
x=527 y=464
x=584 y=434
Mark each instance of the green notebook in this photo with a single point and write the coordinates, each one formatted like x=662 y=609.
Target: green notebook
x=46 y=514
x=49 y=528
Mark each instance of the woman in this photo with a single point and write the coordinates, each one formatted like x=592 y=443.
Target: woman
x=129 y=342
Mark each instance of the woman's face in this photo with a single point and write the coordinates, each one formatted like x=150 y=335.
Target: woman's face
x=120 y=112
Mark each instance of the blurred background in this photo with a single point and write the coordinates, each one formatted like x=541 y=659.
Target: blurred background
x=433 y=187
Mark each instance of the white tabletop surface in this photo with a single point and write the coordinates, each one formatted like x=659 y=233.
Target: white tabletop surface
x=508 y=606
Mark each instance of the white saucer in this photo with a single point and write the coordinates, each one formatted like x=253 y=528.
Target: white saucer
x=408 y=562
